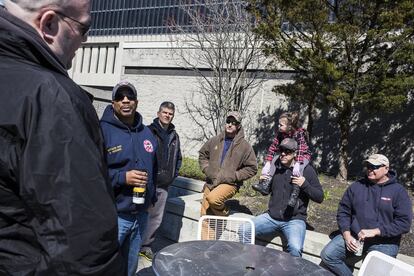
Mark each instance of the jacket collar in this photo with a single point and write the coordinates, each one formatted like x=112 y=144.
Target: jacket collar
x=237 y=139
x=109 y=117
x=157 y=126
x=392 y=178
x=19 y=40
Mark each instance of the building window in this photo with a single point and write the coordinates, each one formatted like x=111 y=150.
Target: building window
x=139 y=17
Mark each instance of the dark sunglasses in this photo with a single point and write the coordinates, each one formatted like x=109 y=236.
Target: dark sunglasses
x=121 y=95
x=372 y=167
x=83 y=30
x=286 y=151
x=232 y=122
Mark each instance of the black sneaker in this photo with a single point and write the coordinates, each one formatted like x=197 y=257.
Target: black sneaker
x=294 y=196
x=263 y=186
x=147 y=254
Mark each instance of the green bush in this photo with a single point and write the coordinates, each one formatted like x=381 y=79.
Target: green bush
x=326 y=195
x=246 y=189
x=191 y=169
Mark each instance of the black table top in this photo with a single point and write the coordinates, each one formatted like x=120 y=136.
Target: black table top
x=229 y=258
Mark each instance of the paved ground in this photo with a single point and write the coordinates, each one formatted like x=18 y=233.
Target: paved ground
x=144 y=266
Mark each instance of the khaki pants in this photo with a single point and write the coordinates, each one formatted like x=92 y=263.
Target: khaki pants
x=213 y=204
x=213 y=200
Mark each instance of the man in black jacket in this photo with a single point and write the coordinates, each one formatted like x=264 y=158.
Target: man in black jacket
x=169 y=163
x=291 y=221
x=57 y=212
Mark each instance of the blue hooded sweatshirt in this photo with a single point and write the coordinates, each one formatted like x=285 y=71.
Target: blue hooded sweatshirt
x=366 y=205
x=129 y=148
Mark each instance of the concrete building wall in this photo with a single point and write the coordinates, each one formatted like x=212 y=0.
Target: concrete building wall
x=149 y=63
x=103 y=61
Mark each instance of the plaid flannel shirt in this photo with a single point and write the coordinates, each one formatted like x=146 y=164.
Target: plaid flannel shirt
x=299 y=135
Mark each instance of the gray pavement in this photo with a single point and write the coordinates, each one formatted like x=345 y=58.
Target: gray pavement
x=145 y=266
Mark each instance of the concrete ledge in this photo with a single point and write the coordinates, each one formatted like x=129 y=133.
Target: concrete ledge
x=189 y=184
x=186 y=206
x=181 y=220
x=183 y=186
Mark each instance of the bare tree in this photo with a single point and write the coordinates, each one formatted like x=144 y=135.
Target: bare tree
x=214 y=39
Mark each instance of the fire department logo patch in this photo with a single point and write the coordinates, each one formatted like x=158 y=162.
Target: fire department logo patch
x=148 y=146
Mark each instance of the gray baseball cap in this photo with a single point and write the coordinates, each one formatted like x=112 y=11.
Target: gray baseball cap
x=289 y=144
x=124 y=84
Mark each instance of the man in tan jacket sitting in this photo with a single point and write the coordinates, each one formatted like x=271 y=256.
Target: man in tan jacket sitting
x=227 y=160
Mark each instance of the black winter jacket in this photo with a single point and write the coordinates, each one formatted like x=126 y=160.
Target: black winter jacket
x=282 y=188
x=168 y=153
x=57 y=211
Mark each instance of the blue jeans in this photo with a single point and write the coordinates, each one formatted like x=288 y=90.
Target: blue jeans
x=294 y=231
x=130 y=232
x=335 y=253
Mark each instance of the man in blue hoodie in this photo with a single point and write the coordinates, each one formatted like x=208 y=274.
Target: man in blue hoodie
x=130 y=151
x=374 y=211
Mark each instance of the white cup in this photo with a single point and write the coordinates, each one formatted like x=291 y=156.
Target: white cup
x=360 y=245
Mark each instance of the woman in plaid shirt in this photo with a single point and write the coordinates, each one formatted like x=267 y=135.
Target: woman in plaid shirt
x=287 y=128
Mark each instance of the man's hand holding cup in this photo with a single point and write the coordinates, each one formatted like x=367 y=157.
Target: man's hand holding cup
x=137 y=178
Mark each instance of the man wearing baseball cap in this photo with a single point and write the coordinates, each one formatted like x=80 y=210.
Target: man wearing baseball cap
x=227 y=160
x=374 y=212
x=130 y=153
x=281 y=217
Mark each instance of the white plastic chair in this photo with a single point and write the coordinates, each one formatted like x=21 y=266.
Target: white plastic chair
x=379 y=264
x=226 y=228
